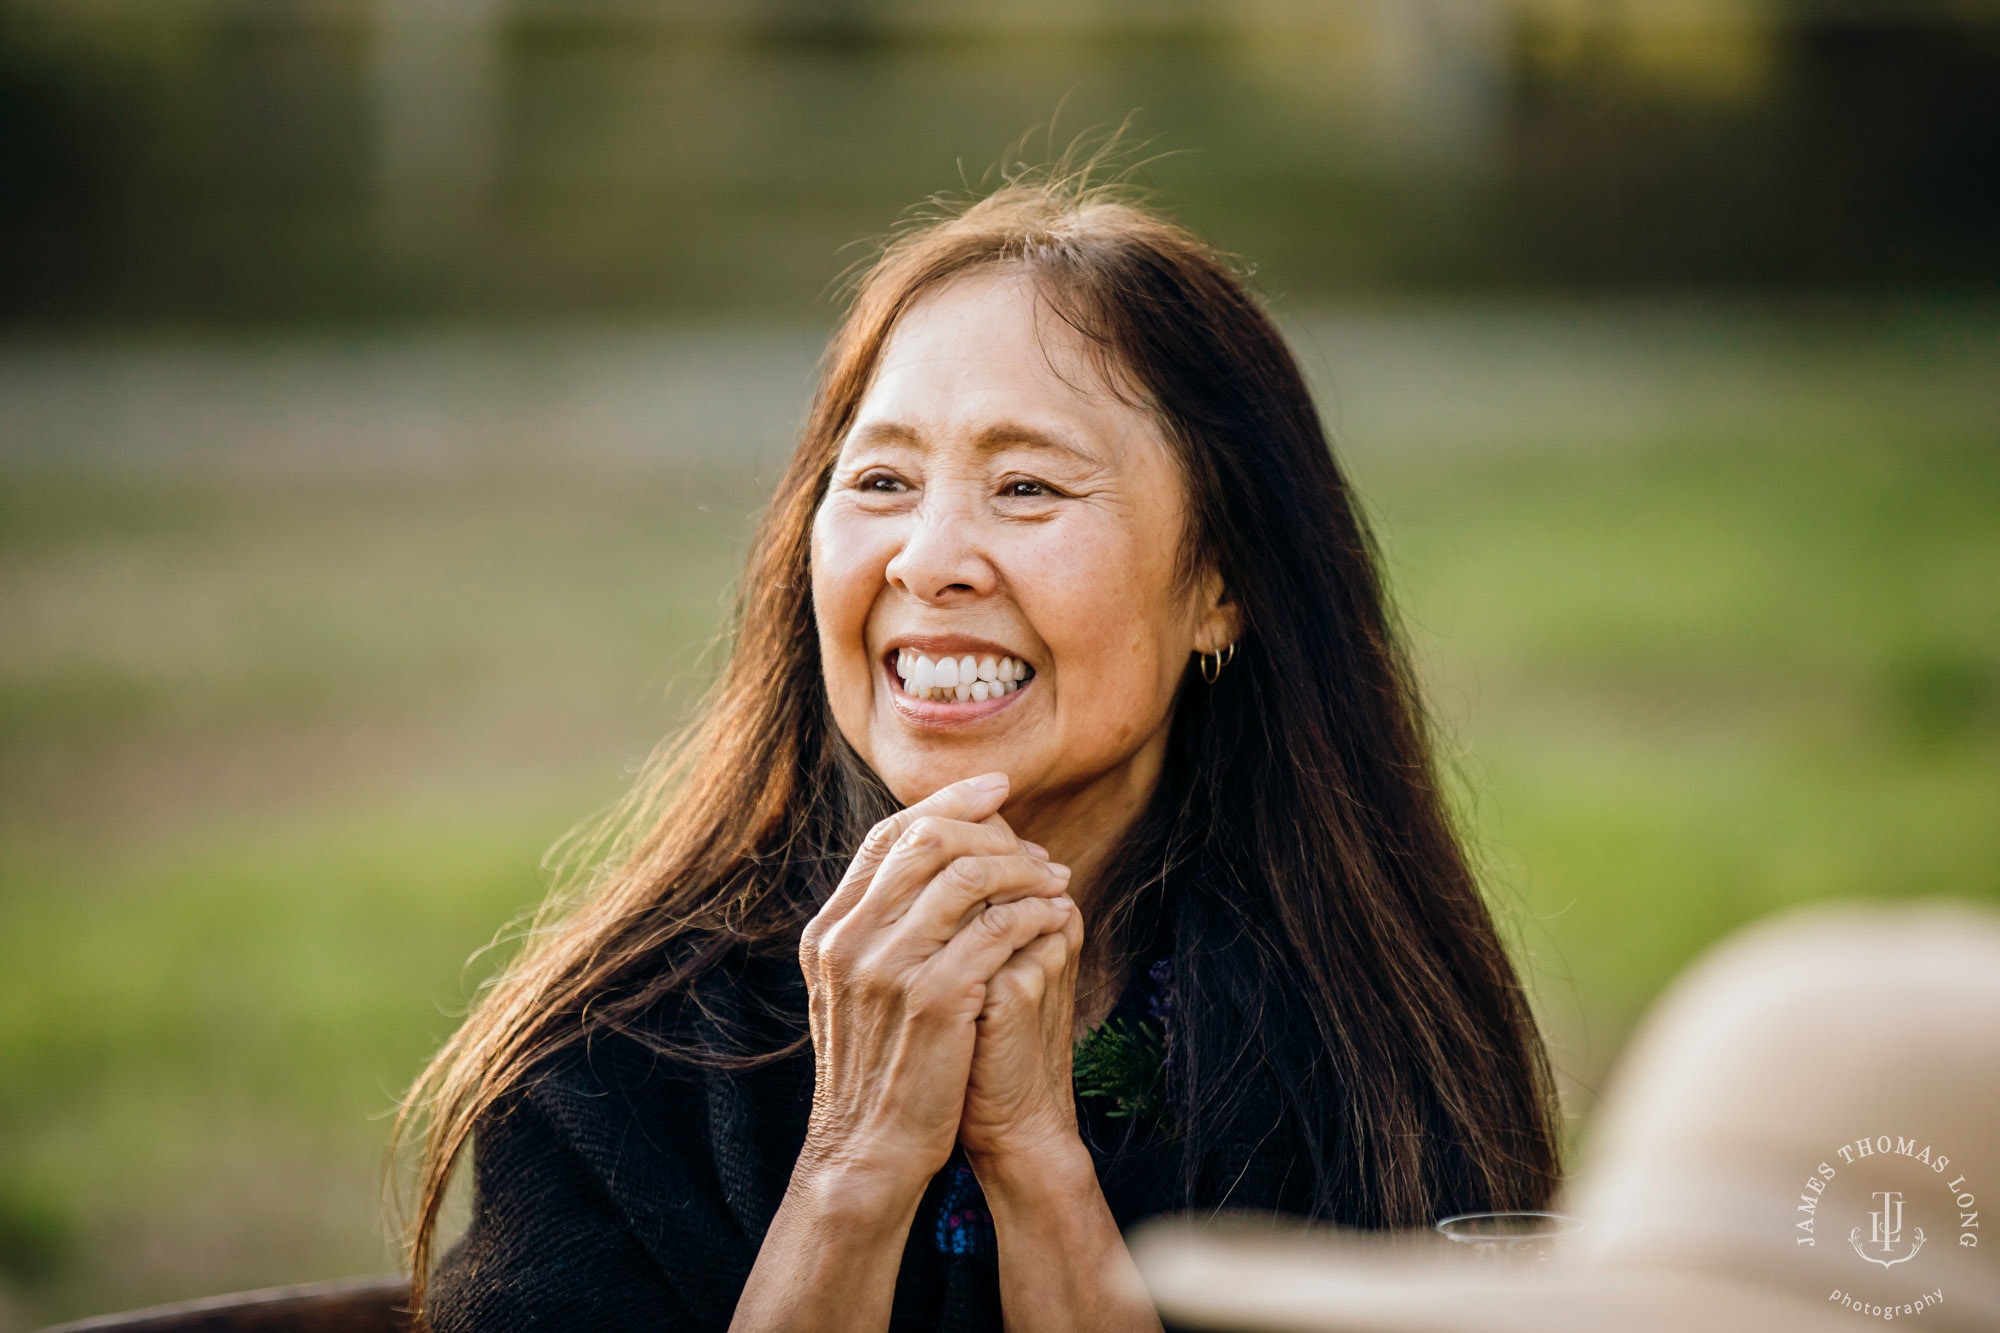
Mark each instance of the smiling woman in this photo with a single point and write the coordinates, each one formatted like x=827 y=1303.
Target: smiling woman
x=991 y=505
x=1064 y=698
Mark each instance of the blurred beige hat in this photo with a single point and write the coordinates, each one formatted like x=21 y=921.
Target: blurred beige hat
x=1800 y=1135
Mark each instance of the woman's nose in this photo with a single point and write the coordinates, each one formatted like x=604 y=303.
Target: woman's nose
x=941 y=556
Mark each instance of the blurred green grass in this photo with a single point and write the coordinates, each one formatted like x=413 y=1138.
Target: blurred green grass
x=1698 y=680
x=279 y=754
x=276 y=757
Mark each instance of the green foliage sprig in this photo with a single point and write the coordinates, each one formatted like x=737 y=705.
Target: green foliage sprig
x=1126 y=1064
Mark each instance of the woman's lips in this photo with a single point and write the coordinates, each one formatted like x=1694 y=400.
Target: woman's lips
x=936 y=713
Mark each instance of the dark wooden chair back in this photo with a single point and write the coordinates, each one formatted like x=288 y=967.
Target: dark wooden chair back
x=355 y=1305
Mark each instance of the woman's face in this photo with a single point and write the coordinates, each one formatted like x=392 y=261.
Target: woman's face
x=982 y=508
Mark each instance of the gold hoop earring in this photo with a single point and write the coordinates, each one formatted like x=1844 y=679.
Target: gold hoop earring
x=1219 y=659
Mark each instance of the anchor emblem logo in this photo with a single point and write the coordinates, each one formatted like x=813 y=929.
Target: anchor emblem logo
x=1886 y=1231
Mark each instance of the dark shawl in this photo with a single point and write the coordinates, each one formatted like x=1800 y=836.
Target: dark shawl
x=617 y=1190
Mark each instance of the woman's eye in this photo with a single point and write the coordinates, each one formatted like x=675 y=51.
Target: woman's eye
x=879 y=482
x=1025 y=489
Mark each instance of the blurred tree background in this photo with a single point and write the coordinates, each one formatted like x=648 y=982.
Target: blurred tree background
x=386 y=388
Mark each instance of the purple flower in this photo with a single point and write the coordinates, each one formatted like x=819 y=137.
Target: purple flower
x=1160 y=1004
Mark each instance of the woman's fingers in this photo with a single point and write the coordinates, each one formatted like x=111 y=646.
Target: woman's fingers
x=1035 y=969
x=976 y=798
x=969 y=884
x=992 y=936
x=935 y=901
x=928 y=847
x=995 y=820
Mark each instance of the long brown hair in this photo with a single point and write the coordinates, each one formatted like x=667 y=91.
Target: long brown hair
x=1331 y=952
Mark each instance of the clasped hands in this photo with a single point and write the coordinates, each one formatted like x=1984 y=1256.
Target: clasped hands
x=942 y=976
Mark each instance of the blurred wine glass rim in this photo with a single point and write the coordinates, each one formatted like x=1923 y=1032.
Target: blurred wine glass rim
x=1522 y=1224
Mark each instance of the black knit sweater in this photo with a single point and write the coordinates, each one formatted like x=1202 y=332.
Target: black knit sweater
x=618 y=1190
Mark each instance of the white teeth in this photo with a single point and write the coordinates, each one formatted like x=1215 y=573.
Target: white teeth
x=965 y=679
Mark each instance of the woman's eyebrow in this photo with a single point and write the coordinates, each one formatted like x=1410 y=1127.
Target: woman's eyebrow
x=999 y=435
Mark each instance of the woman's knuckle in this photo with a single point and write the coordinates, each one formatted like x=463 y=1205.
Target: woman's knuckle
x=1012 y=987
x=873 y=977
x=883 y=836
x=836 y=955
x=924 y=831
x=969 y=872
x=925 y=1001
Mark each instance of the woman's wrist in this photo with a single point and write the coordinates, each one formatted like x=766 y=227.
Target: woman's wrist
x=853 y=1189
x=829 y=1259
x=1063 y=1261
x=1057 y=1169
